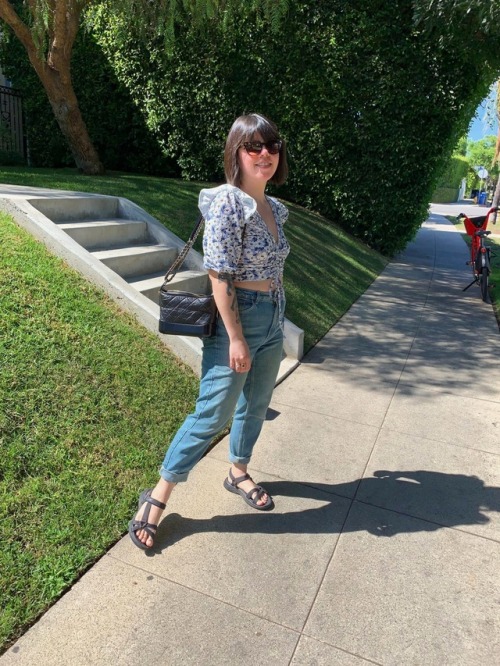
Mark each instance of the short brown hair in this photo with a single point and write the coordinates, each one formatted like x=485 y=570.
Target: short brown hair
x=243 y=129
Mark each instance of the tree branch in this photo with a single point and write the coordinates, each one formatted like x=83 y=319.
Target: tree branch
x=65 y=28
x=20 y=29
x=32 y=6
x=61 y=12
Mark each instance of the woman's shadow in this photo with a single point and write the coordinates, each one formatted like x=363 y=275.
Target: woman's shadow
x=415 y=501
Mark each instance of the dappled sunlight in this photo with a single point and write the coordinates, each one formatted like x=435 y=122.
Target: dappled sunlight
x=415 y=327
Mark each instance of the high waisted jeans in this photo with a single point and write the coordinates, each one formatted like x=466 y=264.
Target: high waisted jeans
x=224 y=392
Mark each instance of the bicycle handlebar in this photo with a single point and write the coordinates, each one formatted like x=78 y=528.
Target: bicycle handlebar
x=494 y=209
x=477 y=222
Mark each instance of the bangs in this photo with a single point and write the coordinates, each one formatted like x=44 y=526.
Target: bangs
x=256 y=124
x=266 y=131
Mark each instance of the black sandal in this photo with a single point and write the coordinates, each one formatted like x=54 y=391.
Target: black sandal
x=137 y=525
x=252 y=496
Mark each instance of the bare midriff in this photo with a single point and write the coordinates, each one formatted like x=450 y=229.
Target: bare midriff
x=255 y=285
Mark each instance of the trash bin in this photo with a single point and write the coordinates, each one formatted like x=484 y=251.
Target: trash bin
x=481 y=200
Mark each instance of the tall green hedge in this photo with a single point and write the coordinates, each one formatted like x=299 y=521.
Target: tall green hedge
x=371 y=105
x=449 y=183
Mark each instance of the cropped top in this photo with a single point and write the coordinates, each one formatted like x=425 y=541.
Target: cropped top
x=236 y=239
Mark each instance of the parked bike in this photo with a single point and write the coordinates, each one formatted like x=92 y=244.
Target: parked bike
x=480 y=253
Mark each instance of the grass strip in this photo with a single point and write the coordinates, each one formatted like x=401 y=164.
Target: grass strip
x=88 y=401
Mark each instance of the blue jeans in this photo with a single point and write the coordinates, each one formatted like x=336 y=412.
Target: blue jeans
x=224 y=392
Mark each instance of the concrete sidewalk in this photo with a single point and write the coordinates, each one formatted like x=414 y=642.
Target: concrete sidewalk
x=382 y=452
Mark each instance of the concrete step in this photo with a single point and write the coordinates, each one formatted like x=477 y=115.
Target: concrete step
x=93 y=234
x=135 y=260
x=77 y=207
x=149 y=285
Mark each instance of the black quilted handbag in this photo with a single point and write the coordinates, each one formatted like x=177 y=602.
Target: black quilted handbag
x=181 y=312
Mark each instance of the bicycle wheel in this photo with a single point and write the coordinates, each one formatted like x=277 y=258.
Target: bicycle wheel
x=483 y=281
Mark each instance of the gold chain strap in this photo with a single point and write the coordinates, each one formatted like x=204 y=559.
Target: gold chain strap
x=170 y=274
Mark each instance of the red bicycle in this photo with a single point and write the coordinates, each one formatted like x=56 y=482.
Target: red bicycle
x=480 y=254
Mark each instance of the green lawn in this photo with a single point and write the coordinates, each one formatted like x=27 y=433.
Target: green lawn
x=89 y=399
x=88 y=402
x=327 y=269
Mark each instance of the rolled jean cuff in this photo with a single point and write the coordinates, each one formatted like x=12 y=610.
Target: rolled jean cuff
x=241 y=461
x=172 y=477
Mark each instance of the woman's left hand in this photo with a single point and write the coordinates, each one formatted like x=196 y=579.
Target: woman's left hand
x=239 y=356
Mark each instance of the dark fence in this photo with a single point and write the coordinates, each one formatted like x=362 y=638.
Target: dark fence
x=12 y=138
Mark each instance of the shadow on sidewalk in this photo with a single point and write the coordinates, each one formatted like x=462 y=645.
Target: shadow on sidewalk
x=437 y=499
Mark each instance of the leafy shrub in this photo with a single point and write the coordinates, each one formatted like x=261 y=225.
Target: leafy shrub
x=449 y=183
x=11 y=158
x=445 y=195
x=371 y=104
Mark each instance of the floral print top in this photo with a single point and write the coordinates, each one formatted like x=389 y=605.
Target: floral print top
x=236 y=238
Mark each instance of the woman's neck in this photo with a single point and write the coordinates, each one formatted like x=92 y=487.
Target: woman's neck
x=255 y=190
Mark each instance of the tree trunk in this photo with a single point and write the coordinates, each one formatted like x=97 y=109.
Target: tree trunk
x=64 y=104
x=496 y=158
x=496 y=199
x=55 y=73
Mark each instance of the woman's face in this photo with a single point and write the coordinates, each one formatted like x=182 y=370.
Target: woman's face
x=257 y=167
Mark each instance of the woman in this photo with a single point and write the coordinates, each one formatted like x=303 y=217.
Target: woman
x=244 y=251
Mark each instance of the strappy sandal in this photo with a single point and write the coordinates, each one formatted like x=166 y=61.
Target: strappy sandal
x=135 y=526
x=252 y=496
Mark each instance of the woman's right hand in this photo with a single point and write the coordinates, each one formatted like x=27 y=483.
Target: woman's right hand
x=239 y=355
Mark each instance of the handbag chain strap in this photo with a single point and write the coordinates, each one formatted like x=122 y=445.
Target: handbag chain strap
x=170 y=274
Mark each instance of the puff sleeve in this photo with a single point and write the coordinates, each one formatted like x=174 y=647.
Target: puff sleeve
x=223 y=235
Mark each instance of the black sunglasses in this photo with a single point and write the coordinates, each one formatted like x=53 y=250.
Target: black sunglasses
x=255 y=147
